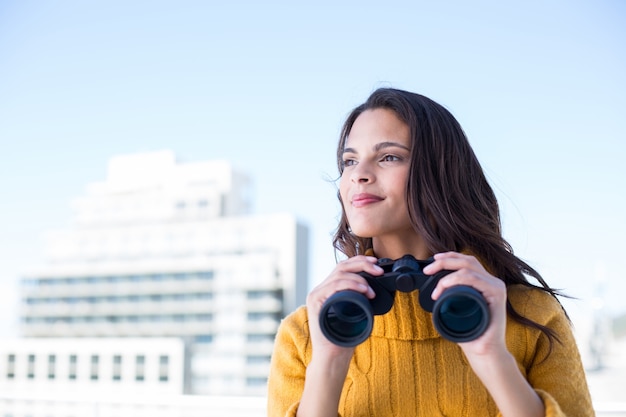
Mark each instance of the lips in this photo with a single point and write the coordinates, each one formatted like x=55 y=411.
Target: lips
x=364 y=199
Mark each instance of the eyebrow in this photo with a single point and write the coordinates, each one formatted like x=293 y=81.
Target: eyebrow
x=379 y=146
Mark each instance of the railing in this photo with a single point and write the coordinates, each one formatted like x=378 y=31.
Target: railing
x=63 y=404
x=22 y=404
x=610 y=409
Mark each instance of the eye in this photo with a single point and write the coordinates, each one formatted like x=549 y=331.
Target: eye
x=390 y=158
x=348 y=162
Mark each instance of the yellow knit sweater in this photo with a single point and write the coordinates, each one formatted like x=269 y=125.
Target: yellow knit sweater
x=406 y=369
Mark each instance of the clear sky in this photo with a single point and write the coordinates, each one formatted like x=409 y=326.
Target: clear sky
x=539 y=87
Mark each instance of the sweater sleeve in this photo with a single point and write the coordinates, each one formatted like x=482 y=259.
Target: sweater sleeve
x=288 y=365
x=554 y=371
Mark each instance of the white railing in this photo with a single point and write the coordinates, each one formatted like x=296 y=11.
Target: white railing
x=57 y=404
x=610 y=409
x=63 y=404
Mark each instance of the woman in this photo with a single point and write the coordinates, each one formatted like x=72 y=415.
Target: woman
x=411 y=184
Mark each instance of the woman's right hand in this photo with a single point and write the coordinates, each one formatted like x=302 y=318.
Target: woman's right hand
x=345 y=276
x=326 y=373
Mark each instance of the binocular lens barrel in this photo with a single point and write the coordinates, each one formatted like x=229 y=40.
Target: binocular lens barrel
x=347 y=318
x=461 y=314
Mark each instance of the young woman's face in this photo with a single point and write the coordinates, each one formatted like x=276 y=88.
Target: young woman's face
x=376 y=161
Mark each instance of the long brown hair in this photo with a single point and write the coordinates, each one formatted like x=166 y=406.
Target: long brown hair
x=451 y=204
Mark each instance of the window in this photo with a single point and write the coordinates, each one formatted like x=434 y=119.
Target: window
x=140 y=367
x=117 y=367
x=205 y=338
x=52 y=359
x=179 y=276
x=164 y=368
x=10 y=366
x=258 y=338
x=256 y=360
x=203 y=317
x=31 y=367
x=255 y=294
x=255 y=381
x=255 y=316
x=73 y=364
x=202 y=296
x=93 y=372
x=205 y=275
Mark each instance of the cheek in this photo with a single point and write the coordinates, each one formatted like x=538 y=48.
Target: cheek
x=400 y=184
x=343 y=191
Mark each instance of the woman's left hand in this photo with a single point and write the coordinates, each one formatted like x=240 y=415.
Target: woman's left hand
x=469 y=271
x=488 y=355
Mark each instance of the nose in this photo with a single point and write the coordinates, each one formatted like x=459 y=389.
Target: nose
x=362 y=173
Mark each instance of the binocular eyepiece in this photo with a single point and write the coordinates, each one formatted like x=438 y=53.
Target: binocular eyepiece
x=460 y=314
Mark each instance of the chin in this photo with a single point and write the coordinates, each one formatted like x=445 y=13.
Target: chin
x=364 y=232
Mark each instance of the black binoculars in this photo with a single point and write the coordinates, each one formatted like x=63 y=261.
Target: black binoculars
x=460 y=314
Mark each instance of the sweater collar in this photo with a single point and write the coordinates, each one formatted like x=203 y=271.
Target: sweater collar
x=406 y=320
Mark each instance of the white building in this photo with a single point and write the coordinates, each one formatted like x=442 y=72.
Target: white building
x=117 y=366
x=167 y=249
x=87 y=377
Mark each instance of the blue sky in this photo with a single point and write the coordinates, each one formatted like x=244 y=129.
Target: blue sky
x=538 y=86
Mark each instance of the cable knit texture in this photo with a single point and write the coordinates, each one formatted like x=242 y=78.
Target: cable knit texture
x=406 y=369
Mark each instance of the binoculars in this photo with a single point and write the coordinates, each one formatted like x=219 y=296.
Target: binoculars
x=460 y=314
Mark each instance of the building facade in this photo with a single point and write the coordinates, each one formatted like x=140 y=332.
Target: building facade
x=162 y=249
x=129 y=366
x=106 y=377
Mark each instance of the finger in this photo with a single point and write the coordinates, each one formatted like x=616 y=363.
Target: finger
x=451 y=261
x=486 y=284
x=450 y=280
x=340 y=281
x=460 y=277
x=352 y=282
x=361 y=263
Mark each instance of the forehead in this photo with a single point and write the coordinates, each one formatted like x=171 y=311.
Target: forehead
x=378 y=125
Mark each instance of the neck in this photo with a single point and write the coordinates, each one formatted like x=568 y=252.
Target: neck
x=396 y=247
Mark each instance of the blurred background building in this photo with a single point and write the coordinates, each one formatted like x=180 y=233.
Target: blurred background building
x=164 y=297
x=165 y=284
